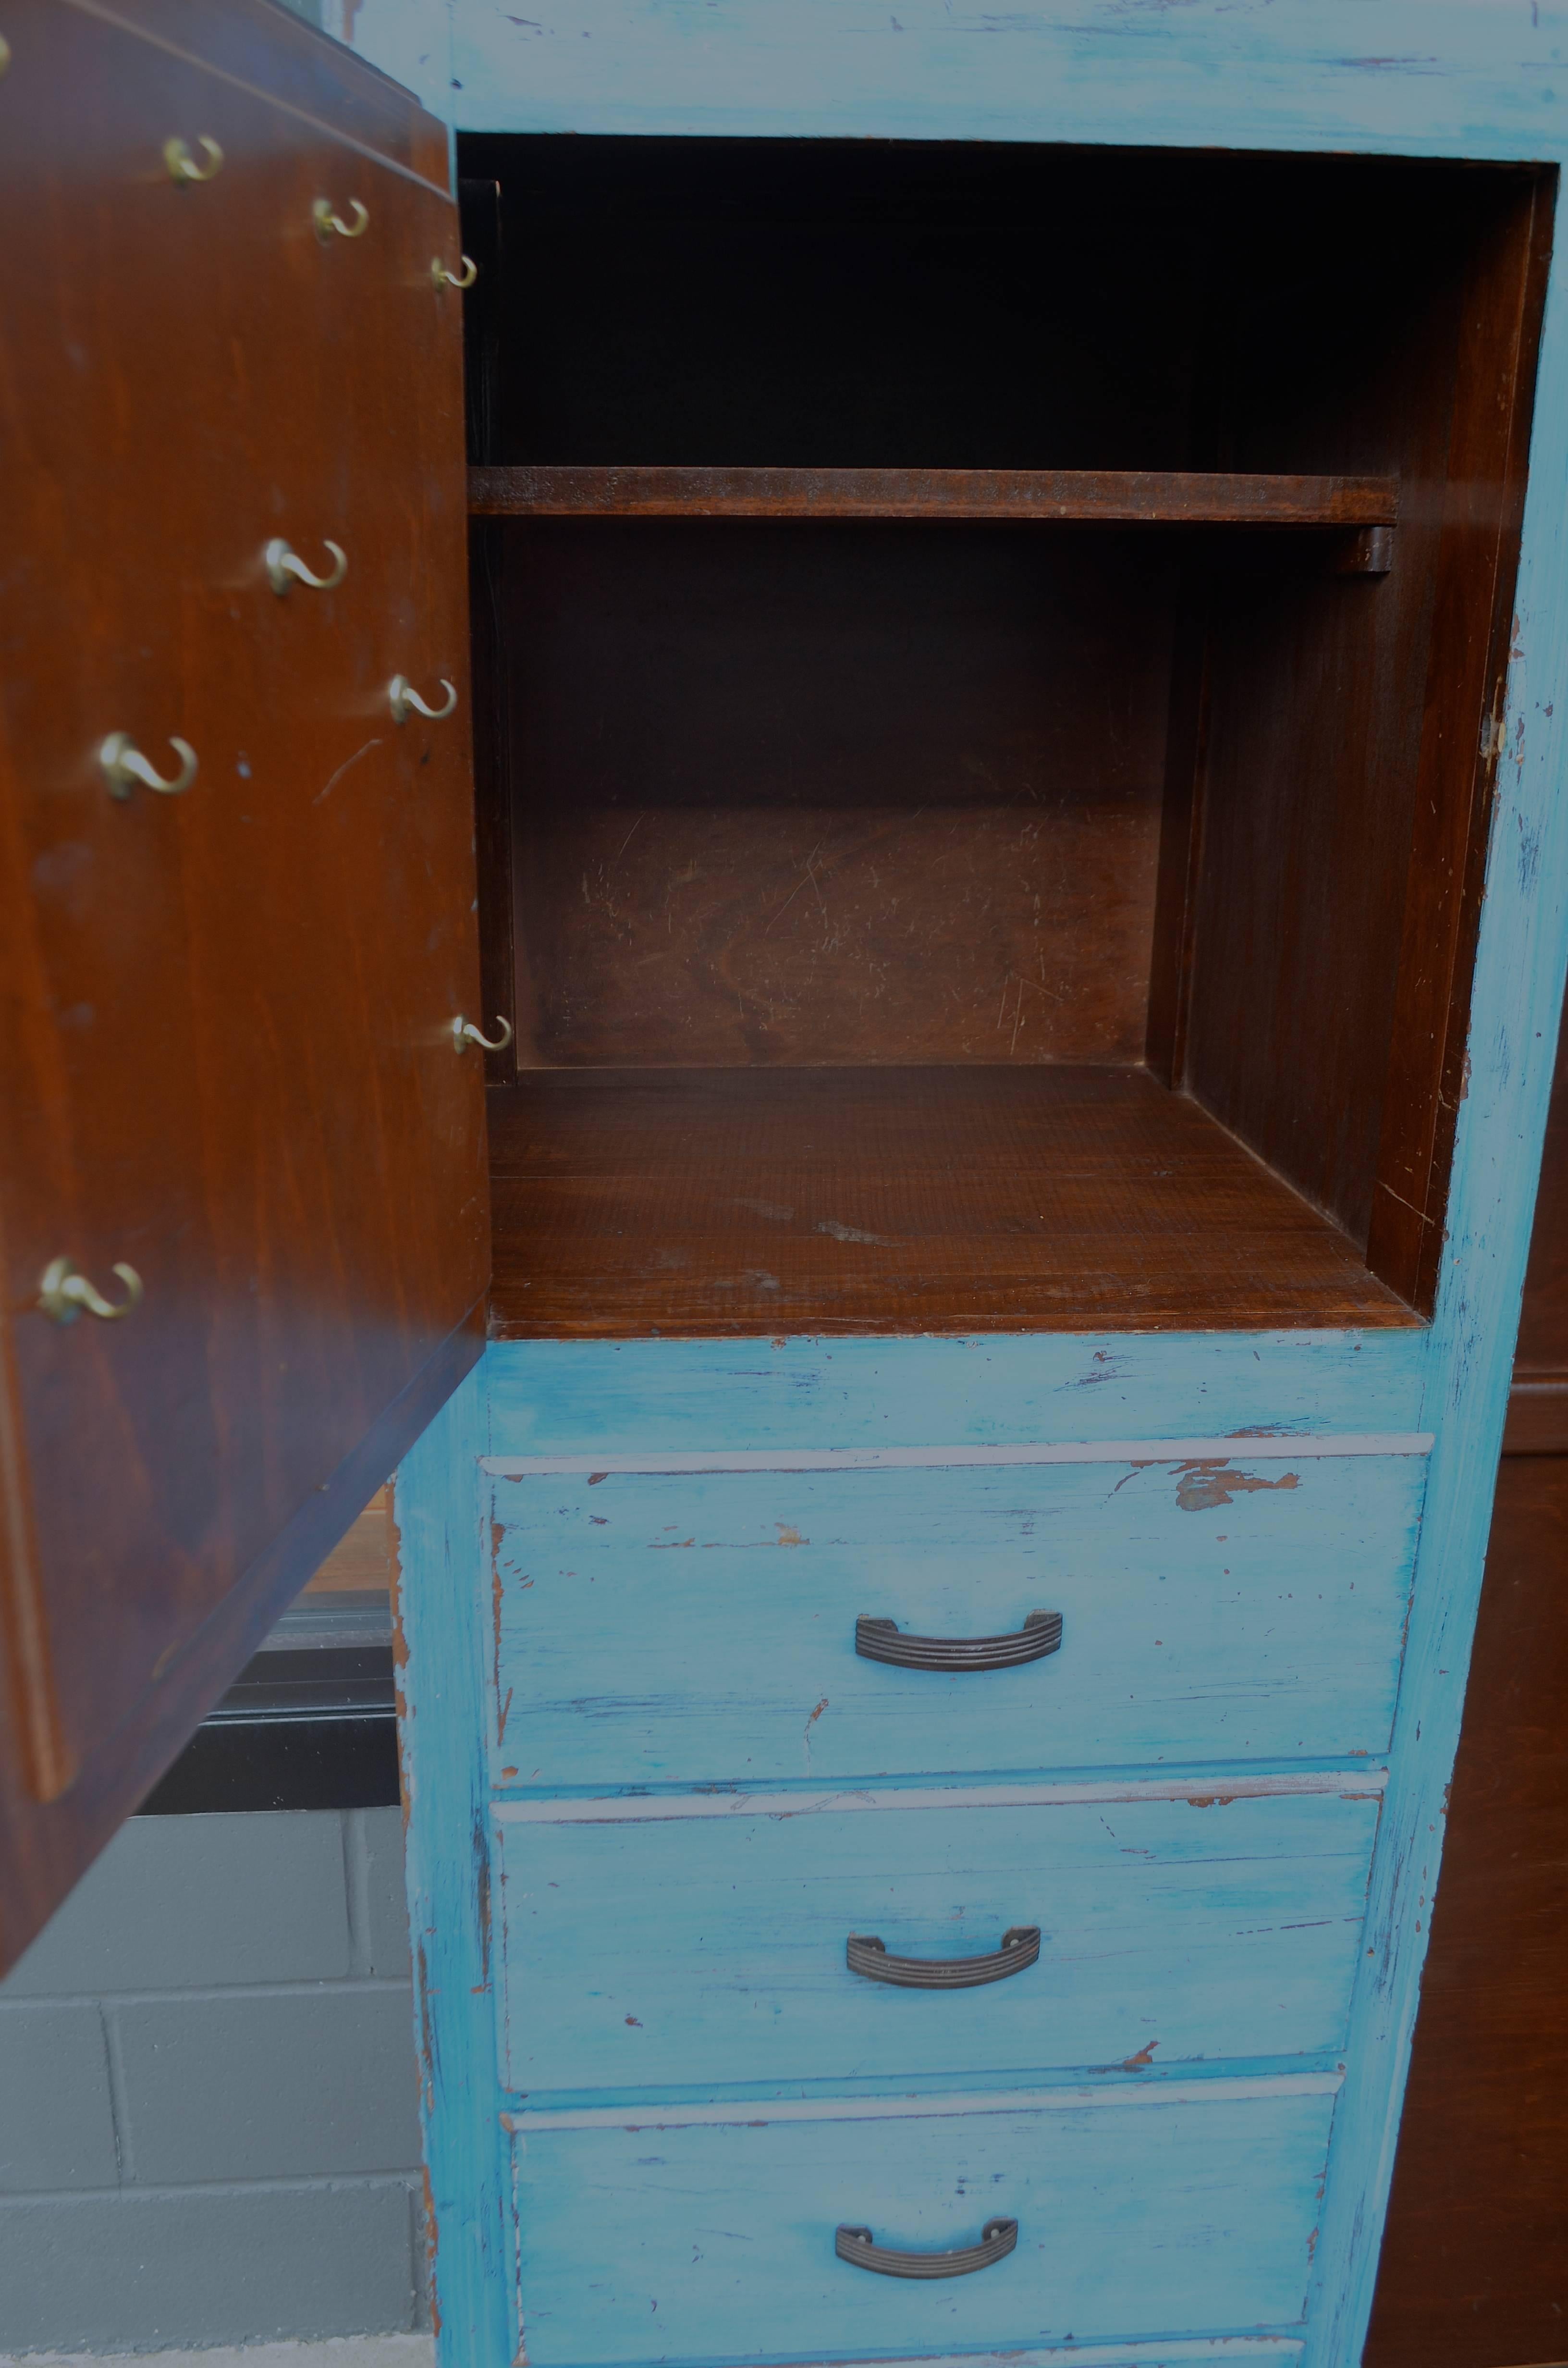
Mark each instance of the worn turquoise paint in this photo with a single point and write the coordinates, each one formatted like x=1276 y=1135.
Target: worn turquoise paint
x=700 y=1628
x=682 y=1954
x=716 y=2243
x=638 y=1397
x=1468 y=78
x=1514 y=1020
x=442 y=1721
x=1414 y=77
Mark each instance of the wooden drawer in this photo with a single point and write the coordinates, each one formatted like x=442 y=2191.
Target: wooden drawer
x=699 y=1626
x=1144 y=2212
x=652 y=1942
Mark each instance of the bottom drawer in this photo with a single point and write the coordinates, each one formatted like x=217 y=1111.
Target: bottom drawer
x=1139 y=2212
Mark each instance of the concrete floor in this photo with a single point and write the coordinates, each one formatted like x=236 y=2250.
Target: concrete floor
x=335 y=2352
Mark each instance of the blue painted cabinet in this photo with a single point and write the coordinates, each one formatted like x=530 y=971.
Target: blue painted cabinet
x=1133 y=1235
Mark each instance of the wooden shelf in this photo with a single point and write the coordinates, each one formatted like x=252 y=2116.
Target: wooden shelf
x=1087 y=497
x=708 y=1203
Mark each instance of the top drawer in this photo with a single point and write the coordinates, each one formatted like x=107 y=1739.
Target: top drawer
x=699 y=1627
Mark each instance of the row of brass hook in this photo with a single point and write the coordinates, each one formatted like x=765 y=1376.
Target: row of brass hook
x=183 y=170
x=64 y=1292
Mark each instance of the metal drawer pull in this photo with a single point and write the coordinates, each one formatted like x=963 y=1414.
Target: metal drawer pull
x=883 y=1640
x=445 y=279
x=997 y=2240
x=331 y=225
x=285 y=566
x=406 y=701
x=182 y=164
x=866 y=1955
x=464 y=1033
x=124 y=766
x=63 y=1292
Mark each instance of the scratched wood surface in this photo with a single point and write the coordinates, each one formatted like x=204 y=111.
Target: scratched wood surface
x=932 y=1200
x=218 y=1063
x=1211 y=1614
x=644 y=1953
x=1110 y=497
x=1131 y=2221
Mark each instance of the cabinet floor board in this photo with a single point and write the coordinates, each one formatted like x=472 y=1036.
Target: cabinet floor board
x=711 y=1201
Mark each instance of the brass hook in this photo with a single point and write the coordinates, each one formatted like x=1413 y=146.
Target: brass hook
x=63 y=1291
x=405 y=701
x=5 y=53
x=464 y=1033
x=327 y=222
x=463 y=279
x=124 y=766
x=182 y=165
x=284 y=565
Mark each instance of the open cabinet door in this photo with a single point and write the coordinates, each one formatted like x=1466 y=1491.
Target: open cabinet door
x=244 y=1208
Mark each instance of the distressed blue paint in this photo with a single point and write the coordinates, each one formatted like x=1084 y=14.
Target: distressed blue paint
x=700 y=1628
x=1421 y=77
x=1470 y=78
x=1514 y=1019
x=698 y=2244
x=643 y=1954
x=441 y=1726
x=551 y=1397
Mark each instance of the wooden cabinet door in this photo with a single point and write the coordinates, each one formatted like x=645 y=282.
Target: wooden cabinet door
x=229 y=1085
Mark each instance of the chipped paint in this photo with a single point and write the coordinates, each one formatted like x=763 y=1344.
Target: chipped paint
x=1203 y=1488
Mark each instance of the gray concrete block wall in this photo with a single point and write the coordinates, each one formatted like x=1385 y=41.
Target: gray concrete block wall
x=206 y=2092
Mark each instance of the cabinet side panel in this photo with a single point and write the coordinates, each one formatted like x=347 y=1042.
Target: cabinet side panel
x=438 y=1514
x=1518 y=986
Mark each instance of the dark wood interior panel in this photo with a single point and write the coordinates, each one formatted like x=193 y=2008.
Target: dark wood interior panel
x=810 y=760
x=848 y=303
x=711 y=1201
x=855 y=793
x=1105 y=498
x=1346 y=716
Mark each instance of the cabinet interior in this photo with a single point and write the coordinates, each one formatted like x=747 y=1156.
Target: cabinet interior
x=930 y=894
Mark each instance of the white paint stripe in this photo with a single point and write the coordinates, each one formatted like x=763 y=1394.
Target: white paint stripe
x=751 y=2115
x=640 y=1809
x=1270 y=1449
x=1077 y=2355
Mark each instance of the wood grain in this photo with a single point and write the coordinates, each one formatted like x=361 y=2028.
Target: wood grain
x=1103 y=497
x=217 y=1061
x=723 y=1200
x=1341 y=823
x=832 y=793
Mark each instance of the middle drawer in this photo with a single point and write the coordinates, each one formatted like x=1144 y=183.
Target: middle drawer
x=668 y=1942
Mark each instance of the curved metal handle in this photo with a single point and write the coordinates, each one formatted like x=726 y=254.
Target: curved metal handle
x=997 y=2240
x=445 y=279
x=464 y=1033
x=883 y=1640
x=124 y=766
x=182 y=164
x=867 y=1955
x=405 y=701
x=285 y=566
x=330 y=225
x=62 y=1292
